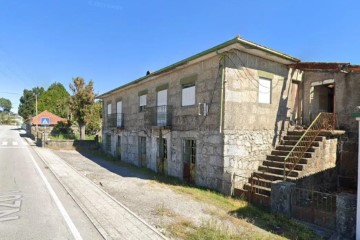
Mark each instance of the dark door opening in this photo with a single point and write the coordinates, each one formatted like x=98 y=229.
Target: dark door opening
x=142 y=152
x=118 y=148
x=189 y=160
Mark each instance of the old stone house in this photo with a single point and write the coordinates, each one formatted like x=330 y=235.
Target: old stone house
x=218 y=113
x=219 y=117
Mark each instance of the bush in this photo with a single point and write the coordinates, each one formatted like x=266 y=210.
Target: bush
x=63 y=129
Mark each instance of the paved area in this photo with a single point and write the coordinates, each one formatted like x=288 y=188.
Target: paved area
x=113 y=219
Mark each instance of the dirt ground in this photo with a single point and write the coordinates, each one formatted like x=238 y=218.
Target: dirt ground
x=155 y=202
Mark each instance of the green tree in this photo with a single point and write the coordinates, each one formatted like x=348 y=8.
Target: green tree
x=5 y=104
x=55 y=100
x=27 y=104
x=94 y=125
x=81 y=102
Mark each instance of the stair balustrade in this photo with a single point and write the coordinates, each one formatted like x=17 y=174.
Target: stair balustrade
x=323 y=121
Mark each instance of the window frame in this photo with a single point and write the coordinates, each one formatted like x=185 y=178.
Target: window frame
x=109 y=107
x=188 y=86
x=261 y=93
x=142 y=107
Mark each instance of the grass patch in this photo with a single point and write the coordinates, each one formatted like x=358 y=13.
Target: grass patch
x=163 y=211
x=274 y=223
x=212 y=231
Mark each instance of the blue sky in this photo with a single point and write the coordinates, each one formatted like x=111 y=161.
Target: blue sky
x=113 y=42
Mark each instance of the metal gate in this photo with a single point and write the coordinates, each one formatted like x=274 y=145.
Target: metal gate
x=314 y=207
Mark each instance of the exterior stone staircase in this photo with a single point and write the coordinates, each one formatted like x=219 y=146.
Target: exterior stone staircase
x=321 y=155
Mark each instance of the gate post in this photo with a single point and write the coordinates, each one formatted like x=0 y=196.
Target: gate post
x=346 y=216
x=281 y=197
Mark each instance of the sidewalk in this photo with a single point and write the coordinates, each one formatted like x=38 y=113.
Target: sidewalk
x=112 y=219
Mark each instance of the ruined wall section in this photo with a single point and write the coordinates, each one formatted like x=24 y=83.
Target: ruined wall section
x=347 y=98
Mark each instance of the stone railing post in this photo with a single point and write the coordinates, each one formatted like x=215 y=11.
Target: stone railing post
x=281 y=197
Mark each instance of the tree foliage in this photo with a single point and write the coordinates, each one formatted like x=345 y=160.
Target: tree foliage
x=5 y=104
x=55 y=100
x=94 y=125
x=81 y=102
x=27 y=104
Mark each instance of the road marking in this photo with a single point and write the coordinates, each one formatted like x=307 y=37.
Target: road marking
x=8 y=212
x=4 y=143
x=15 y=143
x=15 y=204
x=57 y=201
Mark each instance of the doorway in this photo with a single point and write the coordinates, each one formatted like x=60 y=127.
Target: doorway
x=323 y=99
x=162 y=156
x=189 y=160
x=142 y=152
x=118 y=148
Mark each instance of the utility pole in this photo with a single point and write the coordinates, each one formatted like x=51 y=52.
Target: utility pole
x=36 y=113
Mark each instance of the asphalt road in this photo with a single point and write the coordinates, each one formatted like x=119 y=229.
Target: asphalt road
x=33 y=204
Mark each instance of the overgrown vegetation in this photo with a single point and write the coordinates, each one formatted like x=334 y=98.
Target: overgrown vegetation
x=7 y=118
x=63 y=130
x=237 y=211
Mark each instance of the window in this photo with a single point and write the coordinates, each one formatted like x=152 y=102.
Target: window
x=188 y=95
x=109 y=109
x=119 y=115
x=142 y=104
x=264 y=90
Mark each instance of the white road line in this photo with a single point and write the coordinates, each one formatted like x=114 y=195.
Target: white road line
x=4 y=143
x=15 y=143
x=63 y=211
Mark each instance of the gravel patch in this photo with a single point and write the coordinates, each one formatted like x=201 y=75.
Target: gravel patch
x=155 y=202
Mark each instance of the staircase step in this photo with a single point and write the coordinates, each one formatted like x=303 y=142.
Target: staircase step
x=296 y=133
x=258 y=189
x=281 y=159
x=258 y=181
x=273 y=177
x=289 y=147
x=297 y=137
x=279 y=171
x=293 y=143
x=298 y=167
x=254 y=198
x=285 y=153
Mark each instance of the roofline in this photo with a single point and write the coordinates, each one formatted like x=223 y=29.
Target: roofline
x=235 y=40
x=322 y=66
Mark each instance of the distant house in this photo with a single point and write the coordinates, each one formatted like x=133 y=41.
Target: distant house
x=35 y=122
x=54 y=119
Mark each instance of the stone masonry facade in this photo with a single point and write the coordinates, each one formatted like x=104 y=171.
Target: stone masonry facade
x=229 y=129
